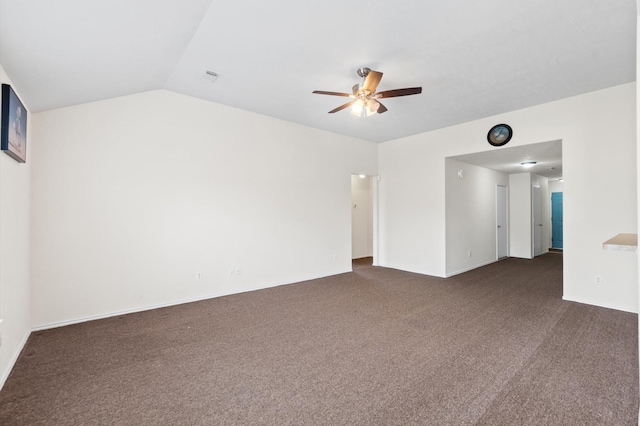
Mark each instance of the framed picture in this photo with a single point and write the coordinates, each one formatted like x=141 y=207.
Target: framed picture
x=14 y=125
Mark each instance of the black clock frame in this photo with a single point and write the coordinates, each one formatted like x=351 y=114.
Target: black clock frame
x=494 y=143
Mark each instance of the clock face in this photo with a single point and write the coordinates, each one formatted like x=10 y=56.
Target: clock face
x=499 y=134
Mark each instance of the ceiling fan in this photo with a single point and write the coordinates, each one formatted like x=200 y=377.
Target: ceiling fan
x=365 y=98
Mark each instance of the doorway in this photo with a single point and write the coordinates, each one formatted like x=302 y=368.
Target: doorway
x=363 y=217
x=537 y=220
x=502 y=222
x=556 y=220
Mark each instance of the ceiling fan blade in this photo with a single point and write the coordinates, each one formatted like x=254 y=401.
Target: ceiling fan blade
x=341 y=107
x=399 y=92
x=322 y=92
x=372 y=81
x=382 y=109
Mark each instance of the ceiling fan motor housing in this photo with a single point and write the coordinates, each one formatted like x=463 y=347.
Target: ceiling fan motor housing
x=364 y=72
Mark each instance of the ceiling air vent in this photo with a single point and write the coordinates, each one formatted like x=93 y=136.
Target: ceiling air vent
x=210 y=76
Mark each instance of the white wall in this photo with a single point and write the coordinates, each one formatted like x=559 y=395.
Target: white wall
x=556 y=186
x=14 y=252
x=520 y=216
x=470 y=215
x=599 y=144
x=361 y=217
x=411 y=205
x=133 y=196
x=545 y=206
x=637 y=145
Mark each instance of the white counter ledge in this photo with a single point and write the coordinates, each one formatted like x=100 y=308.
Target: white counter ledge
x=622 y=242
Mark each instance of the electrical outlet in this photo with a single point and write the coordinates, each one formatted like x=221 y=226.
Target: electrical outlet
x=598 y=279
x=469 y=253
x=199 y=276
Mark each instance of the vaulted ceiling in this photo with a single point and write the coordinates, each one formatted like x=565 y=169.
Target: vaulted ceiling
x=474 y=59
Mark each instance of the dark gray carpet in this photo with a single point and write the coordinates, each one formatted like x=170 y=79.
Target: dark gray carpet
x=494 y=346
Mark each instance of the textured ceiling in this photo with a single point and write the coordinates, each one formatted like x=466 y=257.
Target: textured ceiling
x=473 y=58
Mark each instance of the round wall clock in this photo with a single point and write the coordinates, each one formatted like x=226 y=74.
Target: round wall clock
x=499 y=134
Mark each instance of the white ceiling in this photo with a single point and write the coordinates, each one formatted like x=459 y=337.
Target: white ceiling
x=474 y=59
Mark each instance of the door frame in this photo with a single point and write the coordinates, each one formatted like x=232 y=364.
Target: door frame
x=375 y=183
x=554 y=216
x=506 y=210
x=536 y=222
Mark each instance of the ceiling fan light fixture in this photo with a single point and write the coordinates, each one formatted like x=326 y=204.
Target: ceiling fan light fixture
x=357 y=107
x=365 y=107
x=372 y=106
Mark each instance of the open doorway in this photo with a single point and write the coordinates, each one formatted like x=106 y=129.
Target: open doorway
x=502 y=221
x=557 y=215
x=523 y=175
x=362 y=220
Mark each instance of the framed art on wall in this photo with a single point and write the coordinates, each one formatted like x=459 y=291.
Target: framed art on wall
x=14 y=125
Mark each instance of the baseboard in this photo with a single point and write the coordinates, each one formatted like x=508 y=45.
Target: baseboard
x=471 y=268
x=13 y=360
x=601 y=305
x=173 y=303
x=134 y=310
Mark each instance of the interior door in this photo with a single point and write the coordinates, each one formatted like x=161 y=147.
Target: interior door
x=502 y=230
x=556 y=220
x=537 y=222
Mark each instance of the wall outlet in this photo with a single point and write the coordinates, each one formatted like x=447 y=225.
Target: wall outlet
x=198 y=275
x=469 y=253
x=234 y=270
x=598 y=279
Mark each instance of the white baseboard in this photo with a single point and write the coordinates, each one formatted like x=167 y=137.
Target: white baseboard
x=174 y=303
x=601 y=305
x=13 y=360
x=471 y=268
x=130 y=311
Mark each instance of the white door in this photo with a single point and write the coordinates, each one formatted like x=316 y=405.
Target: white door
x=502 y=232
x=537 y=222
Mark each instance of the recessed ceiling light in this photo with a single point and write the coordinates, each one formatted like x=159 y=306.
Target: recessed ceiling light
x=528 y=163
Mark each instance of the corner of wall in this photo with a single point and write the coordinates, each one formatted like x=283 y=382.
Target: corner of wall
x=15 y=226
